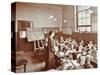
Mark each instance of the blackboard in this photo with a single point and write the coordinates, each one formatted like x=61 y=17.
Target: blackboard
x=33 y=35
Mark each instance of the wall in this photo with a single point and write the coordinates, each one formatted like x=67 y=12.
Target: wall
x=94 y=19
x=68 y=14
x=39 y=14
x=85 y=36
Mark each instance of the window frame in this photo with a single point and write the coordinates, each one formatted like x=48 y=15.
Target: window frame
x=86 y=17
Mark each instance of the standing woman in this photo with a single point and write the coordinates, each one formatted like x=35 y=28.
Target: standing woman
x=50 y=52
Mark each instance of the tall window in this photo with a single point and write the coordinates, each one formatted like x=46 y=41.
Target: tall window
x=84 y=18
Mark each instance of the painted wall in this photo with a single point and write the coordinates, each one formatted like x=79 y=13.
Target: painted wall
x=68 y=14
x=39 y=14
x=94 y=19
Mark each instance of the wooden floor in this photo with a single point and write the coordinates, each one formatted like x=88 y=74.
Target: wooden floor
x=35 y=62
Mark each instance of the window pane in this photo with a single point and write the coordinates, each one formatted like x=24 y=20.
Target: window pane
x=84 y=18
x=84 y=14
x=80 y=8
x=79 y=15
x=88 y=20
x=84 y=29
x=80 y=22
x=88 y=29
x=87 y=14
x=84 y=21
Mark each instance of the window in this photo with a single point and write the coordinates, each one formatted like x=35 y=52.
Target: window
x=84 y=18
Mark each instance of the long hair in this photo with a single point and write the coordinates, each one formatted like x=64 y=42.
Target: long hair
x=50 y=33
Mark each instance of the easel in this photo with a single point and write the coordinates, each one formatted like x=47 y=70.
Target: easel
x=38 y=45
x=36 y=37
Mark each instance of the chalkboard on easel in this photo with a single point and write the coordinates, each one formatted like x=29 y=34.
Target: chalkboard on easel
x=34 y=34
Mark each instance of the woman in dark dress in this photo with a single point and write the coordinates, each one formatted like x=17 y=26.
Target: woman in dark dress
x=50 y=56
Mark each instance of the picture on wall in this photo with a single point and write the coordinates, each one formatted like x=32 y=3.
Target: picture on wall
x=53 y=37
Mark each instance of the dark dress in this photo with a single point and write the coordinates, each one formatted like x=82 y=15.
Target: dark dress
x=50 y=56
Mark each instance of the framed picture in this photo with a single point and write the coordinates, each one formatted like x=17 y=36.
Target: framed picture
x=63 y=37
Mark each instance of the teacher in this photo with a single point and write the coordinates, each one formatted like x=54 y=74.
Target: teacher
x=50 y=52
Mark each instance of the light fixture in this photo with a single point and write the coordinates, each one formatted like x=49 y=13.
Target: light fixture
x=51 y=17
x=90 y=11
x=55 y=19
x=65 y=21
